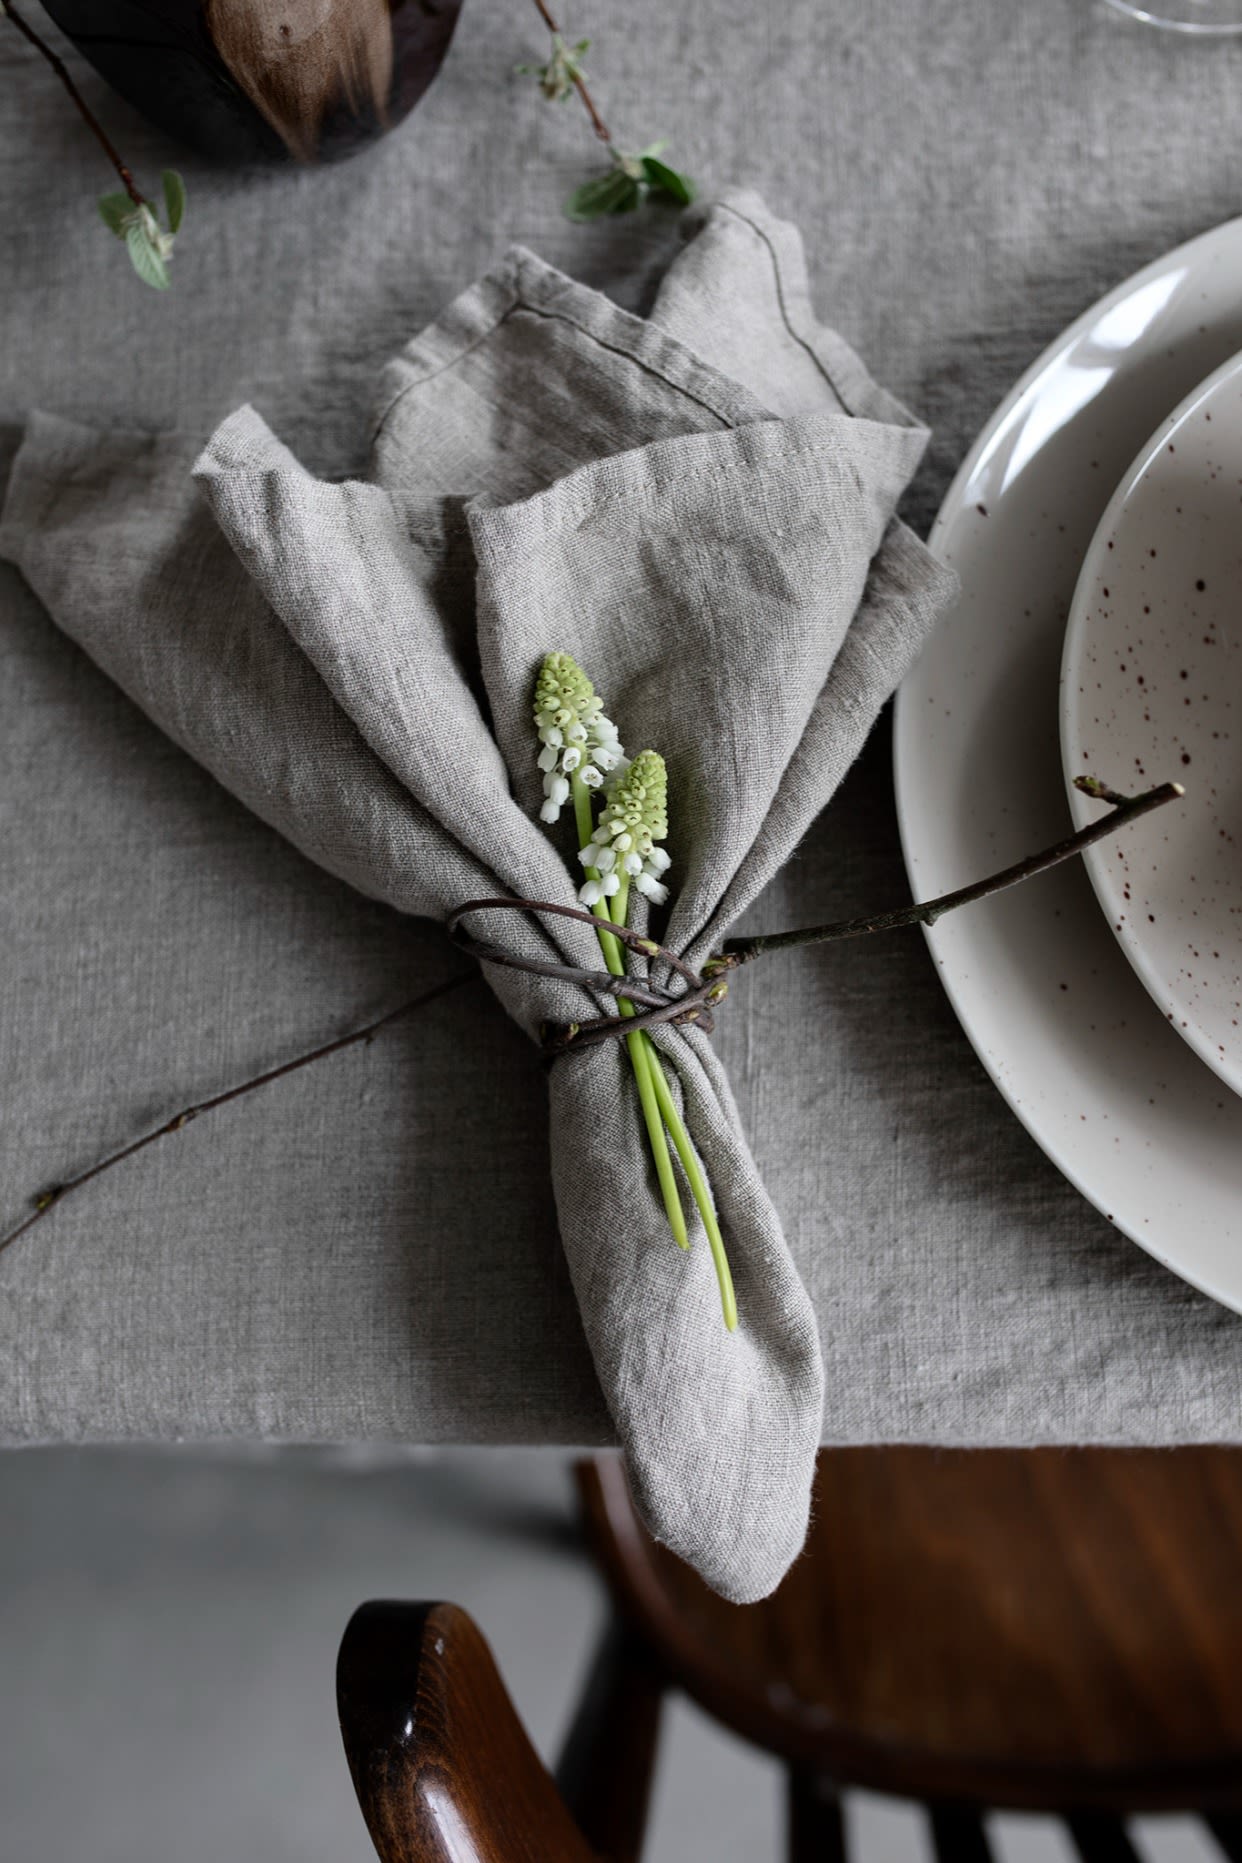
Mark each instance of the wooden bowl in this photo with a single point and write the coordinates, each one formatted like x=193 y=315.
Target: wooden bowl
x=265 y=80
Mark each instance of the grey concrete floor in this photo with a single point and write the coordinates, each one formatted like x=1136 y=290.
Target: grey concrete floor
x=168 y=1629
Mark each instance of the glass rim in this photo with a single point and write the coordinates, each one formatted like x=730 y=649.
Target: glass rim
x=1194 y=28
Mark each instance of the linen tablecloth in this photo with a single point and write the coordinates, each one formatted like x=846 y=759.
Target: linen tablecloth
x=369 y=1249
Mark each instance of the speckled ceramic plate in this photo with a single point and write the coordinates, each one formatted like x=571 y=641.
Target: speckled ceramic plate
x=1072 y=1039
x=1152 y=689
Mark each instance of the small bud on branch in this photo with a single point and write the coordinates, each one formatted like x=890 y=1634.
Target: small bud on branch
x=634 y=176
x=1125 y=809
x=129 y=215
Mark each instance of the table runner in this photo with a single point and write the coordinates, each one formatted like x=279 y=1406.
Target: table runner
x=969 y=179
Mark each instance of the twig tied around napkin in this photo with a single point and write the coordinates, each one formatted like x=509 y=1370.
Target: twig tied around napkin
x=699 y=507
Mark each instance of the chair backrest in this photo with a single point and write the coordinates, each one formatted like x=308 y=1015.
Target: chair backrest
x=442 y=1766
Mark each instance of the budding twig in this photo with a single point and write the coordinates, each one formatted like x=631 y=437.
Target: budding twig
x=578 y=81
x=1125 y=809
x=636 y=175
x=711 y=986
x=8 y=10
x=48 y=1199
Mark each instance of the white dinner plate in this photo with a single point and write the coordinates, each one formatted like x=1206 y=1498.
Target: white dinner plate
x=1057 y=1015
x=1151 y=685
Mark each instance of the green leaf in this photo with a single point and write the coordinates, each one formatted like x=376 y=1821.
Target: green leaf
x=145 y=257
x=614 y=192
x=630 y=199
x=174 y=198
x=665 y=180
x=114 y=210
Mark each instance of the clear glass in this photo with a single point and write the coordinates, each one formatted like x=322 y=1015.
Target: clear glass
x=1200 y=16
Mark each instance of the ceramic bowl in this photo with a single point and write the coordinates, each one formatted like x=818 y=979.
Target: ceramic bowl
x=1151 y=691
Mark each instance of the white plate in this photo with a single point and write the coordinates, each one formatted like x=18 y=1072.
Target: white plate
x=1058 y=1017
x=1152 y=690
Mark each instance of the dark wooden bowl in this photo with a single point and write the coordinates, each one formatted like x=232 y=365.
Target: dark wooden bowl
x=265 y=80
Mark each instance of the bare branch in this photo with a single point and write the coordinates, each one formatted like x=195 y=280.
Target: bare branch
x=9 y=11
x=48 y=1199
x=1125 y=809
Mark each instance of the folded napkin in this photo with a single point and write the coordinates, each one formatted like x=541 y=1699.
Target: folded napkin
x=698 y=507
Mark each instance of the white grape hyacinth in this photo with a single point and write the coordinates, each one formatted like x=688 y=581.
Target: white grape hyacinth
x=579 y=750
x=623 y=847
x=573 y=732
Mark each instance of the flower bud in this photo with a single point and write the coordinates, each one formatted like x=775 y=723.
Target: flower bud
x=571 y=727
x=633 y=820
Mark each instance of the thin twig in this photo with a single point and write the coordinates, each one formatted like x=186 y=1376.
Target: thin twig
x=48 y=1199
x=648 y=947
x=578 y=81
x=88 y=116
x=704 y=992
x=657 y=1002
x=1125 y=809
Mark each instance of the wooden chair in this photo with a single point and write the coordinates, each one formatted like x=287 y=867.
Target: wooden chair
x=1050 y=1630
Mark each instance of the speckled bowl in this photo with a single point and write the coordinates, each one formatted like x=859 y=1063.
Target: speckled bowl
x=1151 y=690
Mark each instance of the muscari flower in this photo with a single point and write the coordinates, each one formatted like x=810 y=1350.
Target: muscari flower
x=573 y=731
x=632 y=821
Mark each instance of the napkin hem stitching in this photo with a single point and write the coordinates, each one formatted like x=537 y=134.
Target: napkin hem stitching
x=785 y=253
x=728 y=421
x=520 y=277
x=442 y=368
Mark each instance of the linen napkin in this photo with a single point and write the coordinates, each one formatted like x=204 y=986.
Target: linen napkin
x=700 y=508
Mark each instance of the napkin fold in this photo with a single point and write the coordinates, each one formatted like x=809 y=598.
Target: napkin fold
x=699 y=507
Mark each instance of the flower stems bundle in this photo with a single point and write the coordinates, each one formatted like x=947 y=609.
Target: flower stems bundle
x=584 y=764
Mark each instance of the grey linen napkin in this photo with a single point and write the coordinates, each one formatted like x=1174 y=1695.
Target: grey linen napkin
x=699 y=507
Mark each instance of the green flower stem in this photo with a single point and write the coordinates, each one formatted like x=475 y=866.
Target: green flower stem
x=698 y=1186
x=585 y=824
x=642 y=1055
x=648 y=1092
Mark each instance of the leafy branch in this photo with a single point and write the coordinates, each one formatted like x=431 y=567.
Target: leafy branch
x=127 y=214
x=634 y=176
x=1124 y=810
